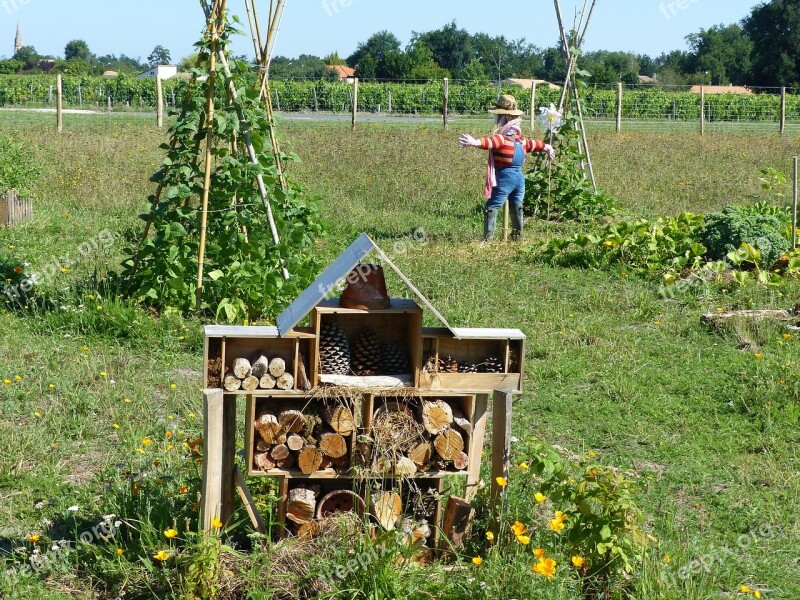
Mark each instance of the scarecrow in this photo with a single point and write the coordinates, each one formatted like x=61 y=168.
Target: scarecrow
x=505 y=180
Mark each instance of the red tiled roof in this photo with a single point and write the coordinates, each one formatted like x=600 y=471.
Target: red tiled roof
x=342 y=71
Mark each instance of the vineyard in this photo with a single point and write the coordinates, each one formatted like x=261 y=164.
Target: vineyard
x=639 y=103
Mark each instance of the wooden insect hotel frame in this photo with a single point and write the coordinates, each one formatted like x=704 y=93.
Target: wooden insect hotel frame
x=380 y=442
x=13 y=209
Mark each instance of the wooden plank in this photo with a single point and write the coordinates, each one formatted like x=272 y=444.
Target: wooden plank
x=249 y=504
x=213 y=448
x=239 y=331
x=228 y=457
x=249 y=432
x=283 y=494
x=374 y=382
x=479 y=418
x=501 y=449
x=469 y=333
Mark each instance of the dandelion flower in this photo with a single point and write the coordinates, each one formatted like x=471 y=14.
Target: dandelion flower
x=146 y=441
x=490 y=536
x=667 y=559
x=170 y=533
x=216 y=523
x=183 y=489
x=759 y=356
x=115 y=425
x=173 y=387
x=539 y=552
x=140 y=450
x=37 y=414
x=52 y=386
x=34 y=538
x=744 y=589
x=7 y=381
x=103 y=374
x=524 y=466
x=64 y=270
x=161 y=555
x=540 y=497
x=17 y=378
x=787 y=336
x=591 y=454
x=120 y=551
x=757 y=594
x=170 y=447
x=501 y=481
x=477 y=561
x=578 y=561
x=127 y=401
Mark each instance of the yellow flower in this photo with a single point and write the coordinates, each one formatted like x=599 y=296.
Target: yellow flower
x=477 y=561
x=99 y=307
x=539 y=552
x=519 y=528
x=127 y=401
x=115 y=425
x=501 y=481
x=720 y=309
x=103 y=374
x=578 y=561
x=161 y=555
x=52 y=386
x=140 y=450
x=85 y=349
x=192 y=415
x=490 y=536
x=64 y=270
x=169 y=447
x=183 y=489
x=146 y=441
x=7 y=381
x=120 y=551
x=169 y=434
x=744 y=589
x=173 y=387
x=787 y=336
x=523 y=539
x=557 y=523
x=545 y=567
x=757 y=594
x=216 y=523
x=17 y=378
x=524 y=466
x=34 y=538
x=540 y=497
x=170 y=533
x=667 y=559
x=37 y=414
x=591 y=454
x=759 y=356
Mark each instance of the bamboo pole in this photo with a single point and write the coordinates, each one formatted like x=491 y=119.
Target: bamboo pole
x=355 y=103
x=783 y=110
x=59 y=105
x=619 y=107
x=256 y=43
x=702 y=110
x=533 y=107
x=159 y=103
x=794 y=206
x=213 y=26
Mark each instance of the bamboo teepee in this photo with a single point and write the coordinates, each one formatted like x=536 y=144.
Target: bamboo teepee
x=570 y=93
x=210 y=149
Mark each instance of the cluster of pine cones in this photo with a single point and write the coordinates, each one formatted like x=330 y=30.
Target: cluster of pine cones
x=448 y=364
x=367 y=356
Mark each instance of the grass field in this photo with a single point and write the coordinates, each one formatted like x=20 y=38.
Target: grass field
x=710 y=431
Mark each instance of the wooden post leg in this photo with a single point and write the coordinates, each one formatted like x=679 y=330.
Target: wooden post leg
x=478 y=435
x=213 y=442
x=228 y=458
x=505 y=221
x=249 y=504
x=501 y=448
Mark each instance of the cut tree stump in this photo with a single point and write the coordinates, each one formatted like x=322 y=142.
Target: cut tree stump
x=387 y=509
x=268 y=427
x=340 y=418
x=241 y=367
x=310 y=460
x=449 y=444
x=301 y=505
x=436 y=416
x=333 y=445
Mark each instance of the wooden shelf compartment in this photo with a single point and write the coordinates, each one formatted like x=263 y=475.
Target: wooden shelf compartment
x=508 y=350
x=461 y=405
x=312 y=408
x=399 y=325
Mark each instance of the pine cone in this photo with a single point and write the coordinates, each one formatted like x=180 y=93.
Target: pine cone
x=448 y=364
x=366 y=354
x=394 y=361
x=492 y=365
x=334 y=350
x=467 y=367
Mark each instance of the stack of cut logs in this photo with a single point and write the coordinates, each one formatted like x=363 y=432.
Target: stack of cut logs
x=403 y=441
x=258 y=373
x=387 y=507
x=289 y=438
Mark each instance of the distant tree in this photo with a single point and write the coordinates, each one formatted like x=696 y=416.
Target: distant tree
x=334 y=59
x=120 y=64
x=159 y=56
x=370 y=57
x=305 y=66
x=187 y=63
x=774 y=30
x=723 y=52
x=452 y=47
x=475 y=72
x=77 y=49
x=10 y=67
x=28 y=56
x=420 y=64
x=554 y=66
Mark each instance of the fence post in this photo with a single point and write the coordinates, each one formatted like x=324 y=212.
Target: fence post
x=446 y=102
x=783 y=110
x=702 y=110
x=59 y=104
x=390 y=102
x=794 y=207
x=316 y=99
x=277 y=100
x=619 y=107
x=355 y=102
x=108 y=99
x=159 y=103
x=501 y=450
x=533 y=107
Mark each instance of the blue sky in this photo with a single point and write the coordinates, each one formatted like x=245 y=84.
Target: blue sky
x=321 y=26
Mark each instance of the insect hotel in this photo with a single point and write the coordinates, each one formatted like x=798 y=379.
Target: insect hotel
x=362 y=409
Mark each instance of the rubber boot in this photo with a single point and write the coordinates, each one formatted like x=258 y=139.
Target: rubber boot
x=489 y=224
x=517 y=222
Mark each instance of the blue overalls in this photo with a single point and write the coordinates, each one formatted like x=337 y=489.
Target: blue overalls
x=510 y=181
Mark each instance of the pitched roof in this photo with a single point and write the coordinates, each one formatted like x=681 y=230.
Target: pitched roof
x=343 y=71
x=527 y=84
x=722 y=89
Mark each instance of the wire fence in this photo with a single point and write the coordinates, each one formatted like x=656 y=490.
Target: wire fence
x=644 y=104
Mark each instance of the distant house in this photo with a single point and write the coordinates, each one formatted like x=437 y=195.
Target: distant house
x=648 y=80
x=723 y=89
x=345 y=73
x=110 y=74
x=527 y=84
x=162 y=71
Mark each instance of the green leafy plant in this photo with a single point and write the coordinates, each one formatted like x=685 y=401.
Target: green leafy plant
x=725 y=232
x=561 y=190
x=19 y=169
x=243 y=266
x=16 y=284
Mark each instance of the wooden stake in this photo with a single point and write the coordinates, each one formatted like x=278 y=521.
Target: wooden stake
x=249 y=503
x=702 y=110
x=219 y=453
x=533 y=107
x=159 y=103
x=445 y=104
x=506 y=219
x=619 y=107
x=208 y=159
x=457 y=523
x=501 y=449
x=59 y=105
x=794 y=205
x=355 y=103
x=783 y=110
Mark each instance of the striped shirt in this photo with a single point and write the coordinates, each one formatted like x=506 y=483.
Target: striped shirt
x=503 y=148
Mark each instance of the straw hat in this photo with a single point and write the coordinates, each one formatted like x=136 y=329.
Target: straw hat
x=506 y=105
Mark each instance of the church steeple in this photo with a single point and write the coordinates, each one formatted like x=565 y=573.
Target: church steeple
x=18 y=40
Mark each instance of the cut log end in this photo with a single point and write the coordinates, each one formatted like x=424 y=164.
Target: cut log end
x=310 y=460
x=436 y=416
x=387 y=509
x=285 y=382
x=242 y=368
x=333 y=445
x=232 y=383
x=449 y=445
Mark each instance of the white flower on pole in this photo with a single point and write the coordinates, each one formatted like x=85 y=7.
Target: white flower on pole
x=550 y=119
